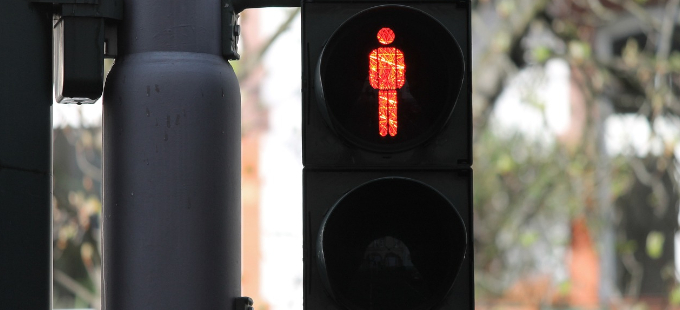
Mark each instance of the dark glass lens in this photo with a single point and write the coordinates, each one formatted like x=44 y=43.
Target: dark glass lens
x=402 y=251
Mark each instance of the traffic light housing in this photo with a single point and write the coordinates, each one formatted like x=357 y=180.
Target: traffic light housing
x=387 y=155
x=84 y=33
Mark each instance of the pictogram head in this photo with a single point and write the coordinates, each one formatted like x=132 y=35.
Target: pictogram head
x=385 y=35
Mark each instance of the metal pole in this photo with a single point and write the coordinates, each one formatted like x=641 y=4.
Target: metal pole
x=171 y=229
x=25 y=156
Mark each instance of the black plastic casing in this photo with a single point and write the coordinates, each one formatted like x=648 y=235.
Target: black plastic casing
x=335 y=166
x=324 y=188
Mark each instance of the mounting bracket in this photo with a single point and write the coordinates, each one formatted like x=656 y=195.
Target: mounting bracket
x=84 y=33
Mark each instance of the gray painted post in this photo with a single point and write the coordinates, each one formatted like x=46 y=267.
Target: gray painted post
x=171 y=227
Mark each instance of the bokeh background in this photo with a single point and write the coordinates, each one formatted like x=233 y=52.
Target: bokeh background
x=576 y=148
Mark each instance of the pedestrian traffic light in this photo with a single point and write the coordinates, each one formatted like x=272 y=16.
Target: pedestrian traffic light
x=387 y=155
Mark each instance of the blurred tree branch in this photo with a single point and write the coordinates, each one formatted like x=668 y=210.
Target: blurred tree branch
x=495 y=65
x=74 y=287
x=252 y=63
x=642 y=80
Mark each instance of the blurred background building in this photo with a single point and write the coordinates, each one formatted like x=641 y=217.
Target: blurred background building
x=576 y=144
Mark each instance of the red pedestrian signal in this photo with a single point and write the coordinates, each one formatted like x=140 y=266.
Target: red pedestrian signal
x=389 y=78
x=387 y=192
x=386 y=74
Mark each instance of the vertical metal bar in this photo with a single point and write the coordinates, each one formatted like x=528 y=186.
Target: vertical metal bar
x=25 y=156
x=171 y=229
x=607 y=230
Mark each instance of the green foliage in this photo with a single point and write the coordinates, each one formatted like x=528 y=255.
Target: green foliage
x=627 y=248
x=674 y=296
x=506 y=7
x=523 y=188
x=541 y=54
x=518 y=192
x=564 y=288
x=528 y=238
x=76 y=217
x=674 y=62
x=580 y=51
x=655 y=241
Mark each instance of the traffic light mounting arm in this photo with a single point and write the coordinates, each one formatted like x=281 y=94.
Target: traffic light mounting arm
x=111 y=9
x=71 y=77
x=231 y=30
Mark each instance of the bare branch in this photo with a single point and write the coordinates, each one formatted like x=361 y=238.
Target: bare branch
x=85 y=166
x=601 y=11
x=633 y=8
x=252 y=63
x=74 y=287
x=636 y=270
x=664 y=47
x=667 y=30
x=493 y=66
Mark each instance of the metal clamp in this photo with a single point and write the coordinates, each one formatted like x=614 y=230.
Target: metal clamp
x=243 y=303
x=231 y=31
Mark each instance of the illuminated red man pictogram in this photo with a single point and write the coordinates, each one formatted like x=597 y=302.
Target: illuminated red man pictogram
x=386 y=74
